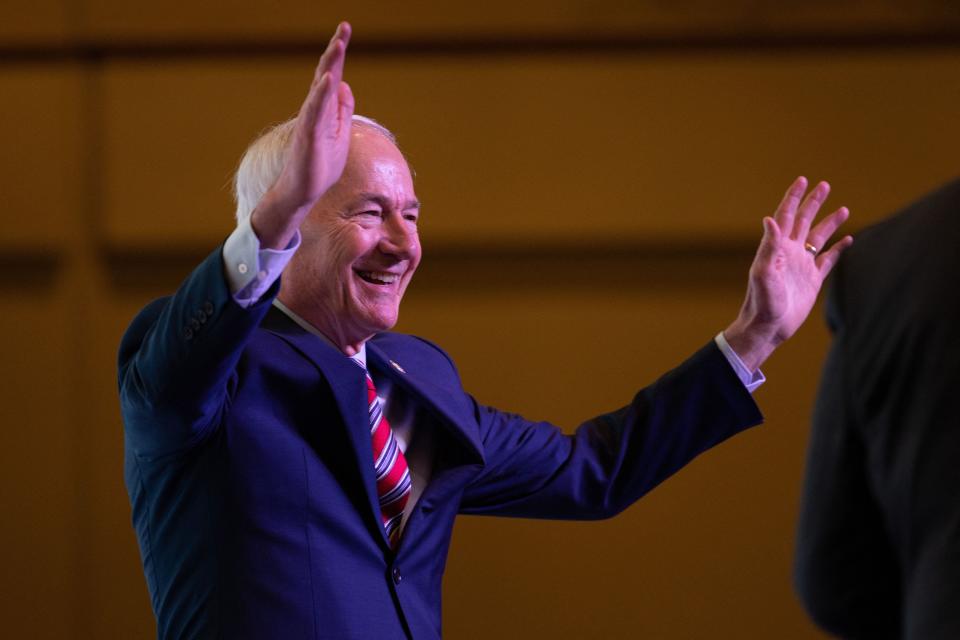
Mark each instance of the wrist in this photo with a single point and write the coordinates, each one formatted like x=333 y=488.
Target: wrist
x=752 y=342
x=274 y=222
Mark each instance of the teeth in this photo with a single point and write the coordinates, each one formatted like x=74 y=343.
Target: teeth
x=379 y=276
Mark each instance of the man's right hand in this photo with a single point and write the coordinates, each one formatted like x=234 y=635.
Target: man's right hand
x=317 y=152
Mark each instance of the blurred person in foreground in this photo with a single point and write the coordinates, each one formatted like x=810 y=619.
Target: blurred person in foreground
x=295 y=467
x=878 y=548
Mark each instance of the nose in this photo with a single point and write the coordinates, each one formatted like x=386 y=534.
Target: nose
x=399 y=237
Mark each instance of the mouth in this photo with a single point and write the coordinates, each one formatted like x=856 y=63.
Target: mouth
x=378 y=277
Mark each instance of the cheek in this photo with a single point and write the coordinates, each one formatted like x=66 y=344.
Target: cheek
x=350 y=243
x=339 y=248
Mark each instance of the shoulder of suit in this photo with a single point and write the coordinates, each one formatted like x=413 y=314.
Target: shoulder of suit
x=414 y=350
x=391 y=340
x=934 y=218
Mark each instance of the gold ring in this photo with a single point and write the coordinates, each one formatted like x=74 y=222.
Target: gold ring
x=812 y=249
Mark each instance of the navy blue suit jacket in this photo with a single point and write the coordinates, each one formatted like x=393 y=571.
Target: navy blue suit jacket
x=249 y=467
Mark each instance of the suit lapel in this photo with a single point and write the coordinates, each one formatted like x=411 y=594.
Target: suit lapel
x=458 y=455
x=448 y=406
x=348 y=385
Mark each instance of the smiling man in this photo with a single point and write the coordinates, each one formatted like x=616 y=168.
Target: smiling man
x=359 y=245
x=295 y=468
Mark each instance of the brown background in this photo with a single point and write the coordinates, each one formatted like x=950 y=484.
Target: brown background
x=593 y=175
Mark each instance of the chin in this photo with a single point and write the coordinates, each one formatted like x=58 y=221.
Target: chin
x=387 y=324
x=378 y=322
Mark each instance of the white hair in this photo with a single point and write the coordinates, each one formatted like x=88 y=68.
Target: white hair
x=263 y=161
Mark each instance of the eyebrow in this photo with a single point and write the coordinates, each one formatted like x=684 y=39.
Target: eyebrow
x=384 y=202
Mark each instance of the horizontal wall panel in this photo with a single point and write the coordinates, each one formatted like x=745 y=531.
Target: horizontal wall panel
x=181 y=19
x=42 y=162
x=665 y=147
x=551 y=149
x=36 y=22
x=174 y=134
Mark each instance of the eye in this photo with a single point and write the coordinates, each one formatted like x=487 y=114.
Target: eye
x=411 y=216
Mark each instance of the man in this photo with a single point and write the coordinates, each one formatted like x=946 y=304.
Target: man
x=878 y=549
x=295 y=468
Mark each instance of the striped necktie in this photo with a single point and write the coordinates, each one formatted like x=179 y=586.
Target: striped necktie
x=393 y=476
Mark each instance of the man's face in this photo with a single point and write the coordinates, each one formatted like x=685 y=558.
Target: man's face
x=359 y=246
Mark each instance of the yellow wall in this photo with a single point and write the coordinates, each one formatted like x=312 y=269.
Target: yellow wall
x=593 y=176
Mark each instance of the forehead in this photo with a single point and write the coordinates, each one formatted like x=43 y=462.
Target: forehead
x=374 y=163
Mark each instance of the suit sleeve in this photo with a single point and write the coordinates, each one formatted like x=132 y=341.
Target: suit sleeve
x=534 y=470
x=844 y=569
x=177 y=358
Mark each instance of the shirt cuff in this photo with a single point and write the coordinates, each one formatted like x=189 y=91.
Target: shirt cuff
x=750 y=380
x=250 y=270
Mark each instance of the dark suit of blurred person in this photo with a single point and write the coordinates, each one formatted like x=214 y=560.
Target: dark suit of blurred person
x=878 y=552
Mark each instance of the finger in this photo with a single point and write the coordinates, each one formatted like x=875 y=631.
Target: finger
x=345 y=99
x=808 y=210
x=821 y=234
x=341 y=40
x=313 y=104
x=339 y=54
x=826 y=260
x=788 y=206
x=323 y=64
x=326 y=78
x=334 y=61
x=343 y=33
x=335 y=49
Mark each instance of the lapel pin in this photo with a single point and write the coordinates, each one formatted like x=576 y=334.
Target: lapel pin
x=397 y=367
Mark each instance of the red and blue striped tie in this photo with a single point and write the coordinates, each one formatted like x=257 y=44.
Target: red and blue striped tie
x=393 y=476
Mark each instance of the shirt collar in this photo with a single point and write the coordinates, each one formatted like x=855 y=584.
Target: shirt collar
x=360 y=357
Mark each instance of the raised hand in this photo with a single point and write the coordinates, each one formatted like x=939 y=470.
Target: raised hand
x=318 y=149
x=787 y=272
